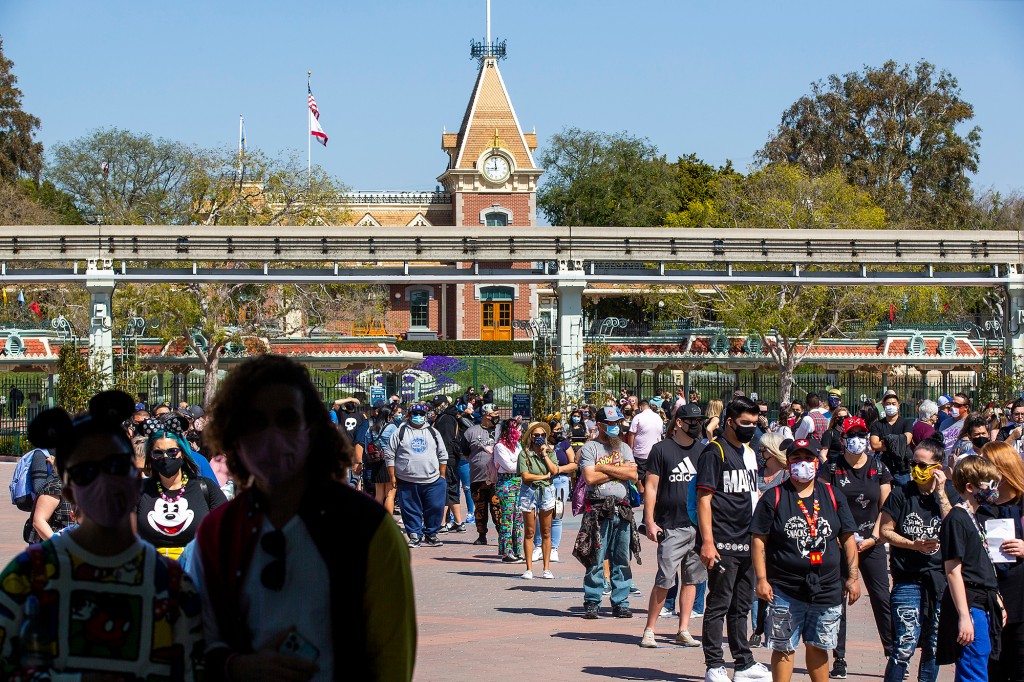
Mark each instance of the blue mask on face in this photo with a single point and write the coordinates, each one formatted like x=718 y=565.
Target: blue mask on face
x=575 y=420
x=612 y=430
x=418 y=419
x=833 y=403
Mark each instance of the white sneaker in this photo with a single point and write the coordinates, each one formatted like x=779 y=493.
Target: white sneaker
x=554 y=555
x=527 y=575
x=758 y=671
x=647 y=641
x=684 y=638
x=718 y=674
x=548 y=575
x=665 y=613
x=537 y=553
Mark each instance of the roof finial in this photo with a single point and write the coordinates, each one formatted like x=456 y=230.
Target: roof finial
x=489 y=47
x=488 y=22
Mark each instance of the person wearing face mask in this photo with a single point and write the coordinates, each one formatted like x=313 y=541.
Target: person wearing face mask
x=834 y=398
x=506 y=490
x=75 y=584
x=865 y=482
x=478 y=441
x=607 y=530
x=971 y=615
x=419 y=462
x=726 y=495
x=951 y=427
x=832 y=441
x=537 y=467
x=577 y=430
x=803 y=538
x=566 y=457
x=1013 y=432
x=176 y=498
x=298 y=561
x=911 y=518
x=890 y=423
x=927 y=417
x=814 y=423
x=973 y=437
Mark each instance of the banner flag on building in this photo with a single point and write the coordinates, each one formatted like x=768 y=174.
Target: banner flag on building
x=21 y=298
x=314 y=120
x=5 y=295
x=34 y=307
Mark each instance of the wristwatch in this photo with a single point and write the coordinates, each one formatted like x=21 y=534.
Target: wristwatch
x=874 y=538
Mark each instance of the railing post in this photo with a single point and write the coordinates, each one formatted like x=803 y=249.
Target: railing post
x=1013 y=344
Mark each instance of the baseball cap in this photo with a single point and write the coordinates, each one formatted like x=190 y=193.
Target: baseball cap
x=439 y=400
x=688 y=411
x=890 y=394
x=854 y=423
x=808 y=445
x=609 y=415
x=140 y=406
x=944 y=400
x=196 y=411
x=418 y=407
x=489 y=408
x=378 y=403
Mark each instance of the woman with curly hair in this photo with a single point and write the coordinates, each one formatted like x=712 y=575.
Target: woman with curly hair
x=510 y=520
x=298 y=561
x=176 y=498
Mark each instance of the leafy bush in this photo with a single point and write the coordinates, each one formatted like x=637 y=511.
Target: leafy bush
x=454 y=347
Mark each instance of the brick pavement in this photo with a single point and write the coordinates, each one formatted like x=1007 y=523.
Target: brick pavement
x=479 y=620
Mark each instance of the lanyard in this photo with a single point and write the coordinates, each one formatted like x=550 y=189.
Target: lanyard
x=812 y=527
x=977 y=526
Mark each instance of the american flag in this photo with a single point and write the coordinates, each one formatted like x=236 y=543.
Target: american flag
x=314 y=120
x=312 y=104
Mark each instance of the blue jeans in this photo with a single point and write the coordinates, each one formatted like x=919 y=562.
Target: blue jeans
x=615 y=548
x=972 y=666
x=907 y=628
x=790 y=620
x=561 y=487
x=464 y=479
x=422 y=504
x=698 y=601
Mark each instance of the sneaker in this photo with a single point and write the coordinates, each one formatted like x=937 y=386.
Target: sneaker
x=481 y=540
x=684 y=638
x=509 y=559
x=414 y=540
x=716 y=675
x=548 y=575
x=471 y=519
x=633 y=589
x=758 y=671
x=554 y=556
x=755 y=639
x=527 y=575
x=696 y=614
x=590 y=610
x=432 y=541
x=537 y=553
x=445 y=528
x=520 y=559
x=459 y=528
x=838 y=669
x=647 y=641
x=621 y=612
x=607 y=588
x=665 y=613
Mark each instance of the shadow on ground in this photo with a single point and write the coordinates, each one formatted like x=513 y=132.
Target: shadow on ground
x=544 y=588
x=572 y=612
x=611 y=637
x=637 y=674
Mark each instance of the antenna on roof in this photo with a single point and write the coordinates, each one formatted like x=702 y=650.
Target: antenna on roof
x=488 y=22
x=489 y=47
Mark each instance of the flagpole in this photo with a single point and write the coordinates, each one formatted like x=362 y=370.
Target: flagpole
x=309 y=139
x=241 y=128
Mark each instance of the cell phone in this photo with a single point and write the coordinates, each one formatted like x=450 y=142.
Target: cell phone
x=298 y=646
x=660 y=535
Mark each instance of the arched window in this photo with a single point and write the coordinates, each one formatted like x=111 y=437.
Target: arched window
x=495 y=216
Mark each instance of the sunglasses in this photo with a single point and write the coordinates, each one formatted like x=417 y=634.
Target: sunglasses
x=923 y=465
x=272 y=576
x=118 y=464
x=173 y=453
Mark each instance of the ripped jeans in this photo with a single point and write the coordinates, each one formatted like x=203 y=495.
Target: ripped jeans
x=907 y=628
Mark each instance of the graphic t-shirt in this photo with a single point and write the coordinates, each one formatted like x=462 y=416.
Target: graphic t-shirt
x=917 y=517
x=960 y=538
x=595 y=452
x=173 y=522
x=733 y=482
x=675 y=466
x=350 y=422
x=862 y=489
x=789 y=544
x=135 y=614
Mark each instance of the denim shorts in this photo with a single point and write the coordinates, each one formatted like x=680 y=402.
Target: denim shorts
x=789 y=620
x=532 y=498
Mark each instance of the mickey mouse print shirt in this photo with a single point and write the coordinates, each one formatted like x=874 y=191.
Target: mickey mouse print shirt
x=171 y=519
x=862 y=488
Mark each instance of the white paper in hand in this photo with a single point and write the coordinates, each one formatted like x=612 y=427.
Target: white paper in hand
x=996 y=531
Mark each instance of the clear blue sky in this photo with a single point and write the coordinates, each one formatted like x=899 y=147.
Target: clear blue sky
x=710 y=78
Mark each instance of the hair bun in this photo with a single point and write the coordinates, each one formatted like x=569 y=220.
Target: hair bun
x=111 y=407
x=50 y=428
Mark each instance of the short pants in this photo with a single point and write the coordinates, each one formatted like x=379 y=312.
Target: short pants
x=678 y=551
x=532 y=498
x=790 y=619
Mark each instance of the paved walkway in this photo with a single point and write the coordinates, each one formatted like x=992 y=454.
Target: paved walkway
x=479 y=620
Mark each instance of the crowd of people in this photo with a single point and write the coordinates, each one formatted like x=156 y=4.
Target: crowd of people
x=175 y=542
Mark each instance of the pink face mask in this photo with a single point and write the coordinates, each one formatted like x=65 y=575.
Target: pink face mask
x=109 y=499
x=273 y=455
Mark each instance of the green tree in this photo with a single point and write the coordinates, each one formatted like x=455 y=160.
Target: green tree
x=20 y=154
x=60 y=204
x=696 y=182
x=77 y=380
x=602 y=179
x=894 y=131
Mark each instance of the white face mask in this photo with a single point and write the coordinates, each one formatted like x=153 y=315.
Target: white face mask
x=802 y=471
x=891 y=410
x=857 y=445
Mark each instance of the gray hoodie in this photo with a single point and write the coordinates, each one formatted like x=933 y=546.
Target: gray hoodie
x=416 y=454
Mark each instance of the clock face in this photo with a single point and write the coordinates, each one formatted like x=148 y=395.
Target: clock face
x=496 y=168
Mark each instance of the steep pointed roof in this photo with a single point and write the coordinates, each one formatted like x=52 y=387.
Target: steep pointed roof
x=490 y=112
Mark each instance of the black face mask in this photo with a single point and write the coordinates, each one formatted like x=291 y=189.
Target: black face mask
x=692 y=429
x=168 y=467
x=744 y=434
x=980 y=442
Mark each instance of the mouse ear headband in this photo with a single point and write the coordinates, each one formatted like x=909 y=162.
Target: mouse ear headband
x=153 y=425
x=54 y=428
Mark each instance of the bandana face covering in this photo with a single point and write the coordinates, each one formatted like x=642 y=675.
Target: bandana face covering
x=923 y=475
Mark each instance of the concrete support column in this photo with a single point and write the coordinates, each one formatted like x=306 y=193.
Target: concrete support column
x=99 y=283
x=569 y=287
x=1013 y=344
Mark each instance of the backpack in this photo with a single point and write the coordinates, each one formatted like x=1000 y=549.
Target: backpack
x=22 y=496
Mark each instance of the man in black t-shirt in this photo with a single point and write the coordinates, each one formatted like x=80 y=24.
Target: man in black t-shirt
x=671 y=466
x=888 y=423
x=726 y=493
x=802 y=532
x=910 y=522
